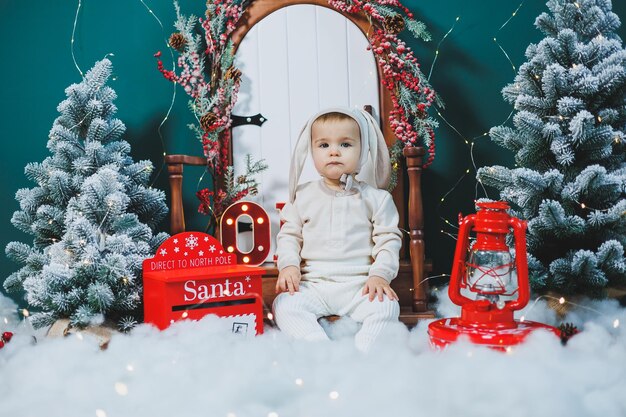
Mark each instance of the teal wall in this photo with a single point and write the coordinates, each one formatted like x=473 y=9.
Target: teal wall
x=36 y=66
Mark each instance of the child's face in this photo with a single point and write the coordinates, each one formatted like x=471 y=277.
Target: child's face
x=336 y=147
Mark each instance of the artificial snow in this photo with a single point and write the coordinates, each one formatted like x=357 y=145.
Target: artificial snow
x=195 y=369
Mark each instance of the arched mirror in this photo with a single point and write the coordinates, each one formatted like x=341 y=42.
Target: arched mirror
x=294 y=62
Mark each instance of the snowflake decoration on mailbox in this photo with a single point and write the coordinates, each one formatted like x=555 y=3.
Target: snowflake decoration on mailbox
x=191 y=276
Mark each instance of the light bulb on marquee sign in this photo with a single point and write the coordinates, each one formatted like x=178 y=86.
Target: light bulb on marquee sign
x=260 y=232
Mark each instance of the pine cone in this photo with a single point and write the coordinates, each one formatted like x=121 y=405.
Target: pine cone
x=394 y=24
x=207 y=121
x=567 y=331
x=253 y=190
x=233 y=73
x=178 y=41
x=241 y=179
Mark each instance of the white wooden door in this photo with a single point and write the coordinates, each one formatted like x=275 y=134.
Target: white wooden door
x=295 y=62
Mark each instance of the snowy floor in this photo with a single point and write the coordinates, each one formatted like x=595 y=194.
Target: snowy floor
x=193 y=370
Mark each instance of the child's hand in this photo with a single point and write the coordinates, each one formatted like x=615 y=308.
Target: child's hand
x=377 y=286
x=288 y=279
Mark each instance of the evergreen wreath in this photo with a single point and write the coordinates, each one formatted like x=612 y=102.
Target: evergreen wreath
x=209 y=77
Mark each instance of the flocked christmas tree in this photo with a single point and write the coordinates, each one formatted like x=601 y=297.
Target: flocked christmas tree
x=568 y=139
x=92 y=215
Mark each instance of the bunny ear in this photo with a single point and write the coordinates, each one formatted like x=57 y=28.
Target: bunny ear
x=300 y=152
x=378 y=152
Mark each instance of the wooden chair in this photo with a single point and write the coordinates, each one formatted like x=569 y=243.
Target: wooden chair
x=410 y=284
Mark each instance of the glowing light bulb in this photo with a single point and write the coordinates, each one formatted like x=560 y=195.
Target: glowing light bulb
x=521 y=319
x=121 y=388
x=333 y=395
x=599 y=119
x=244 y=207
x=616 y=324
x=260 y=220
x=230 y=249
x=229 y=221
x=25 y=313
x=561 y=300
x=299 y=382
x=260 y=248
x=130 y=368
x=270 y=316
x=582 y=205
x=246 y=259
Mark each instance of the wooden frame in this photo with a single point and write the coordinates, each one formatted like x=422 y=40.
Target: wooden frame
x=410 y=284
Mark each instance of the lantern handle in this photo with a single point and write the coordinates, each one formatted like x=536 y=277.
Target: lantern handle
x=521 y=264
x=458 y=265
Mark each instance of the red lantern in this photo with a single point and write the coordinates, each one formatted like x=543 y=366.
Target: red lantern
x=489 y=272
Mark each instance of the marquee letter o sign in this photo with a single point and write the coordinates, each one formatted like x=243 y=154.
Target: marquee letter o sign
x=260 y=232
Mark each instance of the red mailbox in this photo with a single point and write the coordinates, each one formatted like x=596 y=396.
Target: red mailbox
x=191 y=276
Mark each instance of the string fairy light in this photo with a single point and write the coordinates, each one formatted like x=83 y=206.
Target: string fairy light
x=500 y=29
x=561 y=301
x=470 y=143
x=174 y=84
x=439 y=44
x=73 y=38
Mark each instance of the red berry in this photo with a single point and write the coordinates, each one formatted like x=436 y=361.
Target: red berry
x=6 y=336
x=1 y=344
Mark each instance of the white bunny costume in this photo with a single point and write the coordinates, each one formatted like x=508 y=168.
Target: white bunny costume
x=339 y=239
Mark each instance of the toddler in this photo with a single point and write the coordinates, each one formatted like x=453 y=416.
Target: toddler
x=339 y=244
